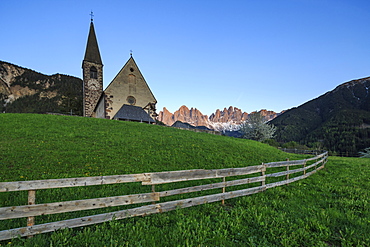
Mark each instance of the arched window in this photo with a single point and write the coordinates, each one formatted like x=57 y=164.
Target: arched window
x=93 y=73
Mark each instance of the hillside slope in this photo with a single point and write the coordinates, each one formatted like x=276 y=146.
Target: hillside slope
x=329 y=208
x=338 y=120
x=24 y=90
x=62 y=146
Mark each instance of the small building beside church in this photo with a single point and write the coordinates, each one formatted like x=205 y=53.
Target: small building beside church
x=128 y=97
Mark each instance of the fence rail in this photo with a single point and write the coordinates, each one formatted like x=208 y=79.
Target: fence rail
x=299 y=151
x=307 y=167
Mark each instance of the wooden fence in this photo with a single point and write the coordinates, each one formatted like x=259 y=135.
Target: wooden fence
x=299 y=151
x=263 y=173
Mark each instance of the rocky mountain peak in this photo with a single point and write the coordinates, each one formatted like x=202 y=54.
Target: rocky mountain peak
x=25 y=90
x=192 y=116
x=165 y=116
x=228 y=118
x=8 y=72
x=231 y=114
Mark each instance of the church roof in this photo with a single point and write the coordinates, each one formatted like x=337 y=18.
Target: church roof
x=133 y=113
x=183 y=125
x=92 y=53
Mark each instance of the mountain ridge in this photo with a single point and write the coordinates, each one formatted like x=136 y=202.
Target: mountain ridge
x=25 y=90
x=337 y=120
x=227 y=119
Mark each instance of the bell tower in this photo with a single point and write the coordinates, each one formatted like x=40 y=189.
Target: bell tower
x=92 y=73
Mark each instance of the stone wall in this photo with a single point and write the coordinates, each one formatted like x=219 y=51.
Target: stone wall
x=93 y=88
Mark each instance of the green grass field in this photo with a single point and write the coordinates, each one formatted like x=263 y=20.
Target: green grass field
x=330 y=208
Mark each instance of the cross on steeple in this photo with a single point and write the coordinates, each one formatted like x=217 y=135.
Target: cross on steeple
x=92 y=16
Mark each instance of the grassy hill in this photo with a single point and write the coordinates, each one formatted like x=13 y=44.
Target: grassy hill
x=329 y=208
x=44 y=146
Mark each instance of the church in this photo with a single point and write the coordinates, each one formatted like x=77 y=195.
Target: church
x=128 y=97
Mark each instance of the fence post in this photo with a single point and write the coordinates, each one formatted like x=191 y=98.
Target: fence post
x=304 y=165
x=263 y=174
x=31 y=201
x=223 y=189
x=287 y=169
x=153 y=190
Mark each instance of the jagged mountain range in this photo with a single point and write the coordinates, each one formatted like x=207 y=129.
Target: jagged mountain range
x=226 y=119
x=25 y=90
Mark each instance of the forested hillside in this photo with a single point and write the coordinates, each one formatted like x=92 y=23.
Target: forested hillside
x=26 y=91
x=338 y=121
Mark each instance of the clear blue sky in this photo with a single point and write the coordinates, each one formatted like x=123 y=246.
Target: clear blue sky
x=208 y=54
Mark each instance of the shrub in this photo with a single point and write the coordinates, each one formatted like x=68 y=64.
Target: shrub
x=366 y=153
x=256 y=128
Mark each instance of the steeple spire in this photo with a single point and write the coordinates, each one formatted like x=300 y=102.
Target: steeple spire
x=92 y=16
x=92 y=53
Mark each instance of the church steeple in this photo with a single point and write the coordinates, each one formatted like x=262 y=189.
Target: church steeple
x=92 y=69
x=92 y=53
